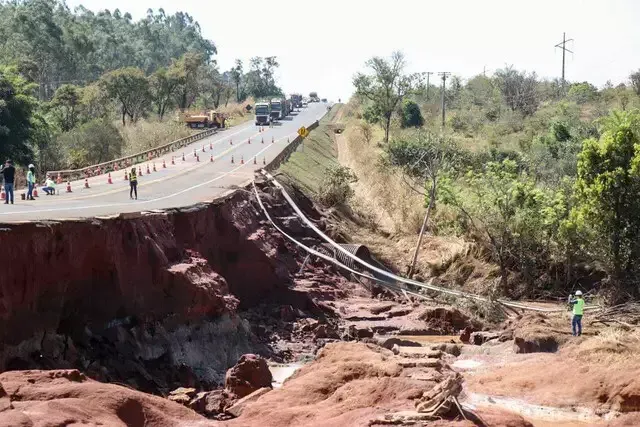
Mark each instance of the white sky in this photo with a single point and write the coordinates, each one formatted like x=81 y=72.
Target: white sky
x=321 y=44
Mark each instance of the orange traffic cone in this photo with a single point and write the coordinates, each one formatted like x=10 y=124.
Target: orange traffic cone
x=249 y=141
x=273 y=140
x=212 y=158
x=2 y=195
x=211 y=146
x=164 y=164
x=86 y=183
x=148 y=171
x=154 y=167
x=35 y=192
x=59 y=180
x=183 y=159
x=264 y=160
x=126 y=177
x=242 y=160
x=230 y=141
x=194 y=152
x=173 y=160
x=139 y=171
x=69 y=187
x=197 y=158
x=263 y=140
x=109 y=179
x=149 y=156
x=115 y=167
x=232 y=159
x=287 y=140
x=255 y=161
x=203 y=150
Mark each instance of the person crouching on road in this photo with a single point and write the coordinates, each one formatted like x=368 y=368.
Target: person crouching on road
x=133 y=183
x=9 y=173
x=578 y=311
x=31 y=181
x=49 y=186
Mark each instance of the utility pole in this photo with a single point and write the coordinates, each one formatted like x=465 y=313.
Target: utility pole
x=563 y=45
x=428 y=74
x=444 y=75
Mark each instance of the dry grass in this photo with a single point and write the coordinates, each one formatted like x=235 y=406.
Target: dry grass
x=611 y=346
x=151 y=133
x=236 y=112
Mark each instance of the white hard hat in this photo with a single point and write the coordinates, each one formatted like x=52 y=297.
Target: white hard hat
x=31 y=166
x=578 y=293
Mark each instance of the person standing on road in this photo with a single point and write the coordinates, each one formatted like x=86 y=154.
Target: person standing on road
x=31 y=181
x=133 y=184
x=9 y=173
x=578 y=311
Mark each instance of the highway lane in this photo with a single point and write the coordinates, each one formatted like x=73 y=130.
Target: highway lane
x=181 y=184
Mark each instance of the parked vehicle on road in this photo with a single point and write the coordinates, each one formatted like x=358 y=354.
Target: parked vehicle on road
x=263 y=113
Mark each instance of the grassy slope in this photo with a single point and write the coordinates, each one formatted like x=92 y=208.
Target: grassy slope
x=306 y=167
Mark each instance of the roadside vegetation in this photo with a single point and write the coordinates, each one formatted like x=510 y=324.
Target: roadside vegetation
x=79 y=87
x=539 y=177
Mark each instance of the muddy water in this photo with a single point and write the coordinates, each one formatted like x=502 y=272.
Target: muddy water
x=430 y=339
x=281 y=372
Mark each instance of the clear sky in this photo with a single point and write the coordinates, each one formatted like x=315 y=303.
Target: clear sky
x=321 y=44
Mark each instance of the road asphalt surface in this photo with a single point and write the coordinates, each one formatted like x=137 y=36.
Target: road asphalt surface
x=186 y=183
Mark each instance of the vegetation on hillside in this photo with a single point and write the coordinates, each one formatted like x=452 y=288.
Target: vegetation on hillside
x=545 y=179
x=73 y=81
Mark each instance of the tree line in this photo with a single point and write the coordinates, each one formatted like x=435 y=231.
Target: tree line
x=67 y=76
x=544 y=176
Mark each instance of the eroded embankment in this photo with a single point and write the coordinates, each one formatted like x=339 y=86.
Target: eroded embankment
x=149 y=300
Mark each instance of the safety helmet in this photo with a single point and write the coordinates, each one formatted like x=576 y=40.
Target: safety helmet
x=578 y=293
x=31 y=166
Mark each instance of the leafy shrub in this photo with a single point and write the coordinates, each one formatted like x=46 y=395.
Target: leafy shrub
x=335 y=188
x=94 y=142
x=411 y=115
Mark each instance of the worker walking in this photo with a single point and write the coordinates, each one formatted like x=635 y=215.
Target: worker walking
x=133 y=184
x=578 y=311
x=31 y=181
x=8 y=172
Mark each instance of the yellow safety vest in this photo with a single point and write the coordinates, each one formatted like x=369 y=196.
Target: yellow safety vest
x=578 y=307
x=133 y=178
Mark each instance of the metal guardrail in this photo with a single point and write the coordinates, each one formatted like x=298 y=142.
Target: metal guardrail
x=123 y=162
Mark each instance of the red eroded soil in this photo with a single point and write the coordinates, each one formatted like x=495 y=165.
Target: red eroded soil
x=65 y=398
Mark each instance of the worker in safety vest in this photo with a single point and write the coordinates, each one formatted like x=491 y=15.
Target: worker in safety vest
x=133 y=184
x=578 y=311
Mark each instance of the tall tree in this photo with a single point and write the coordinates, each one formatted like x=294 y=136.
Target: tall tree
x=17 y=105
x=635 y=81
x=164 y=85
x=65 y=104
x=130 y=88
x=236 y=76
x=518 y=89
x=385 y=88
x=190 y=69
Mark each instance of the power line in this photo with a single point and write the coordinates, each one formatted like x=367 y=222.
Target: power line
x=444 y=75
x=563 y=45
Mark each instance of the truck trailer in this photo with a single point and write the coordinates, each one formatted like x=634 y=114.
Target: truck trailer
x=278 y=108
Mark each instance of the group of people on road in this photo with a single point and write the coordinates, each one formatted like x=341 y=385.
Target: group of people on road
x=8 y=172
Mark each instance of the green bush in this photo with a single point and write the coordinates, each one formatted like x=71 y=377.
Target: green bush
x=411 y=115
x=335 y=188
x=94 y=142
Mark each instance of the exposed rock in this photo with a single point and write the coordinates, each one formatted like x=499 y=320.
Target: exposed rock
x=237 y=408
x=325 y=331
x=182 y=395
x=388 y=343
x=498 y=417
x=453 y=349
x=465 y=335
x=248 y=375
x=447 y=320
x=5 y=401
x=216 y=401
x=479 y=338
x=356 y=332
x=438 y=400
x=55 y=398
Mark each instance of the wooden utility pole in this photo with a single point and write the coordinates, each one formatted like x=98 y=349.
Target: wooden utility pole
x=444 y=75
x=563 y=45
